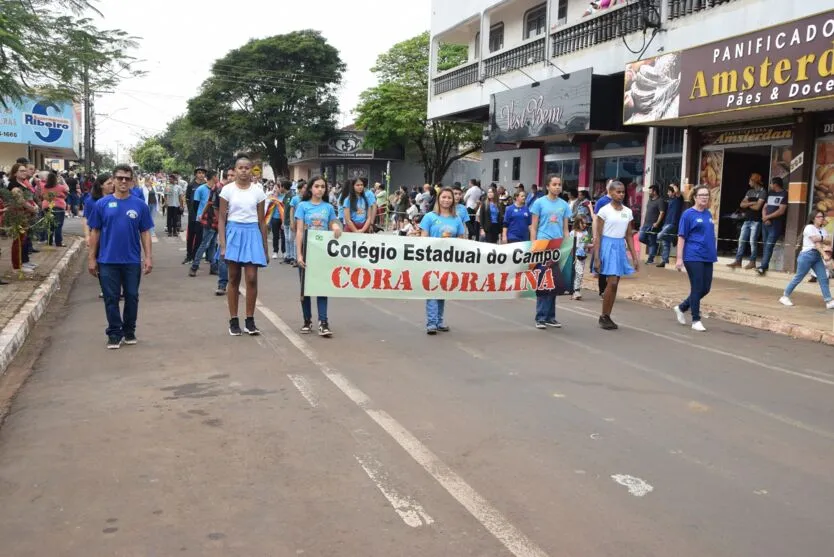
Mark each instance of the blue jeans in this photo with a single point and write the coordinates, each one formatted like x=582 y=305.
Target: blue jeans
x=806 y=261
x=222 y=270
x=649 y=237
x=435 y=312
x=770 y=233
x=290 y=238
x=700 y=283
x=545 y=308
x=307 y=303
x=207 y=247
x=115 y=279
x=664 y=238
x=56 y=229
x=749 y=233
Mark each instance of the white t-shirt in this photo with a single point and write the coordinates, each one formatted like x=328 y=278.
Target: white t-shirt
x=615 y=222
x=243 y=203
x=472 y=197
x=811 y=230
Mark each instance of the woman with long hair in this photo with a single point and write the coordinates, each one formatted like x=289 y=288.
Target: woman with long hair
x=20 y=255
x=101 y=187
x=491 y=216
x=241 y=232
x=358 y=207
x=54 y=198
x=314 y=213
x=815 y=241
x=442 y=222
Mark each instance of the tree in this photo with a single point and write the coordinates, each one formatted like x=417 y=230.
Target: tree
x=150 y=155
x=394 y=112
x=104 y=160
x=46 y=46
x=277 y=93
x=197 y=146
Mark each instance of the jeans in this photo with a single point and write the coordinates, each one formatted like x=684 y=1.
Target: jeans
x=435 y=312
x=700 y=283
x=222 y=272
x=56 y=229
x=115 y=279
x=207 y=247
x=290 y=253
x=749 y=233
x=806 y=261
x=664 y=238
x=307 y=303
x=649 y=237
x=770 y=233
x=545 y=308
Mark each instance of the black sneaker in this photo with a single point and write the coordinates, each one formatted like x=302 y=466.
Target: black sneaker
x=444 y=328
x=324 y=329
x=431 y=332
x=130 y=339
x=307 y=328
x=606 y=323
x=541 y=325
x=761 y=271
x=553 y=323
x=661 y=265
x=234 y=327
x=114 y=343
x=220 y=292
x=250 y=328
x=186 y=260
x=192 y=272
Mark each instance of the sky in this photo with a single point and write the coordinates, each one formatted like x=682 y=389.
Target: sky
x=180 y=39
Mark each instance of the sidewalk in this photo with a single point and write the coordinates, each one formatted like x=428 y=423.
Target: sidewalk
x=736 y=301
x=23 y=301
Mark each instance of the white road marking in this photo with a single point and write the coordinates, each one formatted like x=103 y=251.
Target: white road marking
x=477 y=354
x=490 y=518
x=636 y=486
x=305 y=389
x=558 y=395
x=409 y=510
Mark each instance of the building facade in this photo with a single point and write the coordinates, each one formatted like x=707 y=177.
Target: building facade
x=39 y=130
x=707 y=91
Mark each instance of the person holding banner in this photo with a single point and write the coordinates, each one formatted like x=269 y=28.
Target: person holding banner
x=442 y=222
x=614 y=229
x=549 y=221
x=314 y=213
x=358 y=205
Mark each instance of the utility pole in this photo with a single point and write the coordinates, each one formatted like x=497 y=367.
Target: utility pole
x=88 y=120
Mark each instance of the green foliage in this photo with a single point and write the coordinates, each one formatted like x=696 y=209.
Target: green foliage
x=276 y=94
x=394 y=112
x=451 y=56
x=17 y=220
x=46 y=44
x=104 y=161
x=150 y=155
x=195 y=146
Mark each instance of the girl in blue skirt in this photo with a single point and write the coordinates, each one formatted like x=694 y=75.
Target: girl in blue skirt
x=241 y=231
x=614 y=229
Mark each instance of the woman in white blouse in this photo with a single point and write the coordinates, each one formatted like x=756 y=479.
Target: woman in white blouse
x=814 y=237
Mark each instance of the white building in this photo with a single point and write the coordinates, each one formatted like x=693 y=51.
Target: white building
x=558 y=91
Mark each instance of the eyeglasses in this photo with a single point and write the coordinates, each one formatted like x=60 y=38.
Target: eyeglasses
x=702 y=195
x=122 y=178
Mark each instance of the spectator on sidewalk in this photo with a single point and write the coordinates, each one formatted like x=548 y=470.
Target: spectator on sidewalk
x=655 y=213
x=752 y=205
x=54 y=198
x=815 y=239
x=674 y=208
x=26 y=209
x=773 y=220
x=120 y=227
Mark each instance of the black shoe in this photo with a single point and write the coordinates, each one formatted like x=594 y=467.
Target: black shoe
x=553 y=323
x=114 y=342
x=186 y=260
x=541 y=325
x=431 y=332
x=606 y=323
x=213 y=272
x=192 y=272
x=307 y=328
x=33 y=250
x=324 y=329
x=130 y=339
x=444 y=328
x=234 y=327
x=250 y=328
x=761 y=271
x=2 y=282
x=813 y=279
x=661 y=265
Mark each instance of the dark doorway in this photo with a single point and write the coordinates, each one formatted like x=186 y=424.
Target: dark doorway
x=739 y=164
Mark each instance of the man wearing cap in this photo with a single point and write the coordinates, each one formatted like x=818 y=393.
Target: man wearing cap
x=752 y=204
x=194 y=232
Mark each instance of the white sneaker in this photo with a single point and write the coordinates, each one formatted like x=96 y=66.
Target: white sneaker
x=29 y=266
x=680 y=316
x=785 y=301
x=274 y=255
x=698 y=326
x=829 y=304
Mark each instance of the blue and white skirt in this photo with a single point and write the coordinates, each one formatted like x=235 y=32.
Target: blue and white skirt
x=245 y=244
x=612 y=252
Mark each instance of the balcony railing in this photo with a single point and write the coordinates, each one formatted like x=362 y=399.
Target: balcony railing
x=524 y=55
x=682 y=8
x=607 y=26
x=461 y=77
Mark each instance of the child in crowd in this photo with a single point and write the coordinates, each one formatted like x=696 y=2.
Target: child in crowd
x=583 y=241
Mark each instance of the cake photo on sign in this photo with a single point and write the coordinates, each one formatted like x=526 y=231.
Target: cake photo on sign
x=652 y=89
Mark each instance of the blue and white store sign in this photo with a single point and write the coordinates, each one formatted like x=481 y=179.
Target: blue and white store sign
x=41 y=123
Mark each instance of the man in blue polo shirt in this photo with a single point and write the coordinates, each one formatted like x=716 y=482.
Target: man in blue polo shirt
x=549 y=221
x=120 y=227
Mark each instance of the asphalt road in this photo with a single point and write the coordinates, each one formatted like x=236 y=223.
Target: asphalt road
x=493 y=440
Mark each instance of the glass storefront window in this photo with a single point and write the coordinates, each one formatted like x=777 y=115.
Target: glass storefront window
x=568 y=170
x=666 y=171
x=626 y=169
x=669 y=140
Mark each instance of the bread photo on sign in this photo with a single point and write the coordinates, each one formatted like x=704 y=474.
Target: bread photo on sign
x=652 y=89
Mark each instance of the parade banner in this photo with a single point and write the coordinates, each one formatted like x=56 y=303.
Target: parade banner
x=384 y=266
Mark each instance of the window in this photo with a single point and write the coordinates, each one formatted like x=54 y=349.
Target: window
x=477 y=45
x=496 y=37
x=516 y=168
x=562 y=12
x=495 y=170
x=535 y=21
x=669 y=140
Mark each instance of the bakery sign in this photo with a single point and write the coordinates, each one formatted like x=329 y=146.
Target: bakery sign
x=788 y=63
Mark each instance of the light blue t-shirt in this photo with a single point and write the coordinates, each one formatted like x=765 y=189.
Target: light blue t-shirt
x=698 y=230
x=201 y=196
x=552 y=215
x=442 y=227
x=463 y=214
x=316 y=216
x=360 y=215
x=296 y=199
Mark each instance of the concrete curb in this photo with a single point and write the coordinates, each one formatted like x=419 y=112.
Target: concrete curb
x=745 y=319
x=17 y=330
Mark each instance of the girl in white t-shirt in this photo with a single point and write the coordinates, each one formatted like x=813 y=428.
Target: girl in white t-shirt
x=242 y=235
x=809 y=258
x=613 y=229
